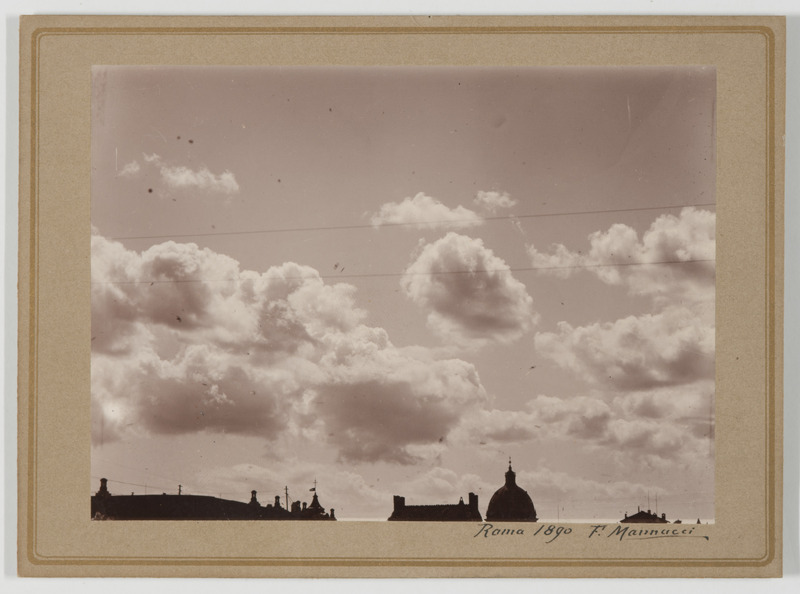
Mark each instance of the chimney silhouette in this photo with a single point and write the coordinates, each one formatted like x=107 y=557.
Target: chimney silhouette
x=103 y=492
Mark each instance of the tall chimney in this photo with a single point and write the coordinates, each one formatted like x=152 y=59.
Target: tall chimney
x=103 y=492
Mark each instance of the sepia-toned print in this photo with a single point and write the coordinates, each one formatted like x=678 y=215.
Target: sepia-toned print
x=403 y=293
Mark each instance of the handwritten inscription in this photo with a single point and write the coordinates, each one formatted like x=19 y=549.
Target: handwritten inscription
x=553 y=532
x=629 y=533
x=550 y=532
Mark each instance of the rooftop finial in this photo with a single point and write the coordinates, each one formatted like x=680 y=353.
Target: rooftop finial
x=510 y=475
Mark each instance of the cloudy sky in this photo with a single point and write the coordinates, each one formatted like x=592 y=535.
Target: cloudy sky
x=391 y=280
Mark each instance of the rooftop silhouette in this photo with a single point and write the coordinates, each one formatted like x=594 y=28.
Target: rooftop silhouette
x=644 y=517
x=106 y=506
x=511 y=503
x=458 y=512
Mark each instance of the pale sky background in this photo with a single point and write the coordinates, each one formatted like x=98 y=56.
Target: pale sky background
x=282 y=292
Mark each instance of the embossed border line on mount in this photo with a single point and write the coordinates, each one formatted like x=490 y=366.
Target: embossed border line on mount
x=770 y=329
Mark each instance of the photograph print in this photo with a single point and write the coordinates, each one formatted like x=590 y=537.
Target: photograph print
x=403 y=293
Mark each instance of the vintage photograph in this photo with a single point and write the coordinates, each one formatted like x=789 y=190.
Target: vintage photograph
x=403 y=293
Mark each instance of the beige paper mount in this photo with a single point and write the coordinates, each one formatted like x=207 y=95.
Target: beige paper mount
x=56 y=535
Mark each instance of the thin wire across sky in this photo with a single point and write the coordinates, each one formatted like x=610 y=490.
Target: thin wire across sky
x=449 y=222
x=417 y=224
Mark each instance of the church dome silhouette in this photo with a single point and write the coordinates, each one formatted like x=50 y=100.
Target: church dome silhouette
x=511 y=503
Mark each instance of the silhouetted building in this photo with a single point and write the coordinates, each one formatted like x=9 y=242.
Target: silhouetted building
x=511 y=503
x=644 y=517
x=106 y=506
x=459 y=512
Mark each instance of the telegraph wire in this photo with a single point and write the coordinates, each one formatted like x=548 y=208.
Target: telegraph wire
x=148 y=472
x=406 y=273
x=453 y=222
x=117 y=464
x=164 y=489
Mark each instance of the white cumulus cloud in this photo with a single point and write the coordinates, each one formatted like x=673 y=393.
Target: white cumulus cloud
x=674 y=257
x=203 y=179
x=130 y=169
x=185 y=341
x=672 y=347
x=425 y=212
x=492 y=200
x=470 y=294
x=182 y=177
